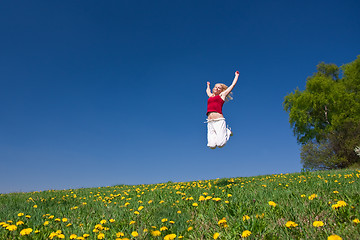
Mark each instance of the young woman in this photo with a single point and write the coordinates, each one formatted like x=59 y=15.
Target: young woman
x=218 y=134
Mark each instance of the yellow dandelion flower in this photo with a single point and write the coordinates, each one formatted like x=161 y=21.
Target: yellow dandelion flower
x=140 y=208
x=136 y=212
x=356 y=220
x=246 y=217
x=271 y=203
x=222 y=221
x=101 y=236
x=21 y=214
x=98 y=227
x=35 y=206
x=216 y=235
x=19 y=223
x=190 y=228
x=103 y=221
x=52 y=235
x=338 y=205
x=170 y=236
x=134 y=234
x=341 y=203
x=291 y=224
x=163 y=228
x=303 y=195
x=245 y=234
x=28 y=216
x=132 y=222
x=61 y=236
x=112 y=220
x=164 y=220
x=334 y=237
x=318 y=224
x=26 y=231
x=73 y=236
x=64 y=219
x=312 y=196
x=155 y=233
x=5 y=225
x=11 y=228
x=195 y=204
x=335 y=206
x=46 y=223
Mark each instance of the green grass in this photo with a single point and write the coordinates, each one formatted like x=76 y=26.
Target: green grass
x=178 y=208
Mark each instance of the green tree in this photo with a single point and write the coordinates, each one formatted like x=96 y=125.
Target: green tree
x=321 y=110
x=335 y=151
x=316 y=155
x=343 y=141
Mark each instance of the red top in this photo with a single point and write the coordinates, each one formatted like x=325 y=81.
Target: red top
x=215 y=104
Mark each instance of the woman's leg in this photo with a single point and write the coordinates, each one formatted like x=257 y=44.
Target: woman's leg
x=222 y=133
x=211 y=135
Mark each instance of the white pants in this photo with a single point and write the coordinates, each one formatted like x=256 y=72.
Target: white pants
x=217 y=134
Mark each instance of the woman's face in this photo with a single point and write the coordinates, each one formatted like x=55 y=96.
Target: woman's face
x=217 y=89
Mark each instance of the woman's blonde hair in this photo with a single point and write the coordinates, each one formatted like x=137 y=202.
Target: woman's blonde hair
x=229 y=96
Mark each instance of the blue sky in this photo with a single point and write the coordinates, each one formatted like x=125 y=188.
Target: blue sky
x=99 y=93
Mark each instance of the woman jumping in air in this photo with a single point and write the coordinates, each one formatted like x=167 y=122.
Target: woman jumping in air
x=218 y=134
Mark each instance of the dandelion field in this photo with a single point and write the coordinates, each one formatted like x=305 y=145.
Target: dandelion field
x=309 y=205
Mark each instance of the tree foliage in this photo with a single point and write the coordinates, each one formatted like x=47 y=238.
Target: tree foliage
x=322 y=114
x=344 y=140
x=326 y=103
x=316 y=155
x=335 y=151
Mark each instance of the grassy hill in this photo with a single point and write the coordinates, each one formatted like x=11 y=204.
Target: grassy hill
x=311 y=205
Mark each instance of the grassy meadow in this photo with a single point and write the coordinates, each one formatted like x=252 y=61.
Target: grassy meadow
x=308 y=205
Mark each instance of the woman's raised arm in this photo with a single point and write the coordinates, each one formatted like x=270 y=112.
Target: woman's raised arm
x=230 y=88
x=208 y=91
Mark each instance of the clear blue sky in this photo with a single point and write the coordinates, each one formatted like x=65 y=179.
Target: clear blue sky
x=99 y=93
